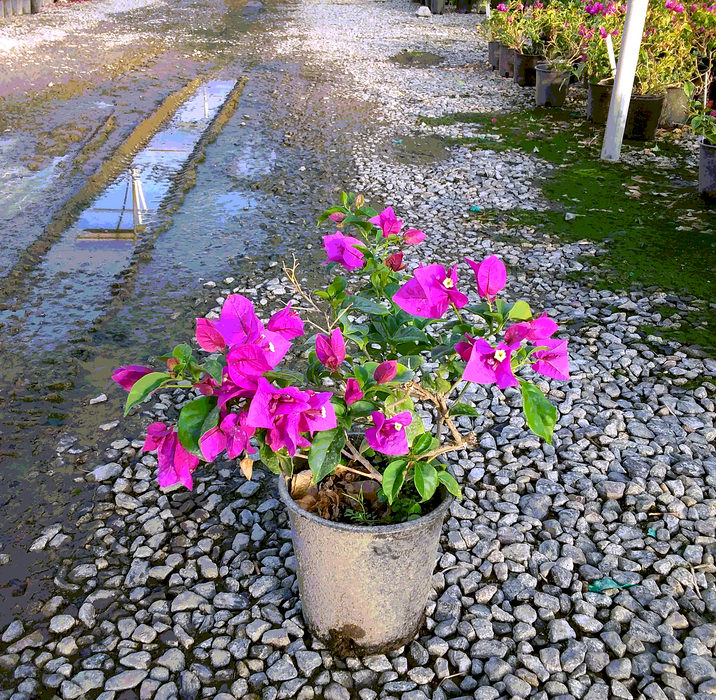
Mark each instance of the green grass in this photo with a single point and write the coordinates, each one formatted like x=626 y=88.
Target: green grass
x=656 y=231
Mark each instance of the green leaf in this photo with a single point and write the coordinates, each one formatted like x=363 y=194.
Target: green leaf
x=406 y=333
x=285 y=377
x=402 y=374
x=143 y=387
x=328 y=212
x=366 y=306
x=541 y=415
x=367 y=211
x=442 y=385
x=191 y=423
x=397 y=404
x=362 y=408
x=270 y=459
x=448 y=480
x=214 y=368
x=393 y=477
x=520 y=311
x=366 y=226
x=344 y=198
x=422 y=444
x=478 y=309
x=426 y=480
x=463 y=409
x=411 y=361
x=415 y=428
x=428 y=382
x=337 y=286
x=211 y=421
x=182 y=353
x=325 y=453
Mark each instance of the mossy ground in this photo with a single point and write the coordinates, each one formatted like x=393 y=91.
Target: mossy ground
x=655 y=230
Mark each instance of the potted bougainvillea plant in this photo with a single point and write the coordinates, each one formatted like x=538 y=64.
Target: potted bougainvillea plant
x=362 y=478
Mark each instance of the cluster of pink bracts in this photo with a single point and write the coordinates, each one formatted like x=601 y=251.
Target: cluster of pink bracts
x=290 y=416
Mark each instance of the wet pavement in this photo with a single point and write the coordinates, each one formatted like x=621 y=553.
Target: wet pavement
x=108 y=289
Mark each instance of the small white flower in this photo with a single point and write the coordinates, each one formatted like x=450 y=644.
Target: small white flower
x=448 y=283
x=398 y=426
x=271 y=347
x=500 y=355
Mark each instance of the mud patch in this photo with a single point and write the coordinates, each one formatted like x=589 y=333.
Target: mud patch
x=420 y=147
x=417 y=59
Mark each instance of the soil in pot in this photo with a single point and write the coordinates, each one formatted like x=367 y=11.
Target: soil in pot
x=346 y=497
x=493 y=53
x=525 y=71
x=676 y=106
x=552 y=86
x=507 y=61
x=707 y=171
x=643 y=117
x=599 y=96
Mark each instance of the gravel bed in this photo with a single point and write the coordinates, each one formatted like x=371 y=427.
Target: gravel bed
x=194 y=594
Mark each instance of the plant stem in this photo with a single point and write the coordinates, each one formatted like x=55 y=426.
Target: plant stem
x=354 y=454
x=290 y=272
x=340 y=466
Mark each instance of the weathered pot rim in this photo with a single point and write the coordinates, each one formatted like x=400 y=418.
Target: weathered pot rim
x=650 y=97
x=392 y=529
x=549 y=68
x=702 y=142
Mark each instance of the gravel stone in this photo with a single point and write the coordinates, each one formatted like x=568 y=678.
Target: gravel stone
x=125 y=680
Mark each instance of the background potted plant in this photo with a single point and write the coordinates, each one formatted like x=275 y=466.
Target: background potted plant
x=665 y=52
x=510 y=33
x=563 y=56
x=495 y=26
x=703 y=123
x=358 y=471
x=702 y=20
x=534 y=29
x=599 y=22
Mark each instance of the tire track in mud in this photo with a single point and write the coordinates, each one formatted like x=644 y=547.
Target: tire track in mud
x=68 y=213
x=184 y=181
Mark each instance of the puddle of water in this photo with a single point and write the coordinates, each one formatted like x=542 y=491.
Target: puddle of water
x=417 y=59
x=20 y=187
x=69 y=288
x=420 y=146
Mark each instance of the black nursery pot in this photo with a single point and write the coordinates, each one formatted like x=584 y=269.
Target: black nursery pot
x=552 y=85
x=525 y=69
x=493 y=54
x=707 y=171
x=507 y=61
x=599 y=96
x=643 y=117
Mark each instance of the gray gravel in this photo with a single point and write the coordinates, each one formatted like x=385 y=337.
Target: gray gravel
x=194 y=594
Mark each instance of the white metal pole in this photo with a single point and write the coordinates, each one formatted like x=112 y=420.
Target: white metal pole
x=136 y=211
x=624 y=81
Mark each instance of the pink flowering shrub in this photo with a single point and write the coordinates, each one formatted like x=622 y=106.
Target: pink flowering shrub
x=375 y=332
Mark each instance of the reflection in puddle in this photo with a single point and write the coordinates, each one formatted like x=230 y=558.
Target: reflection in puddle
x=70 y=287
x=128 y=205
